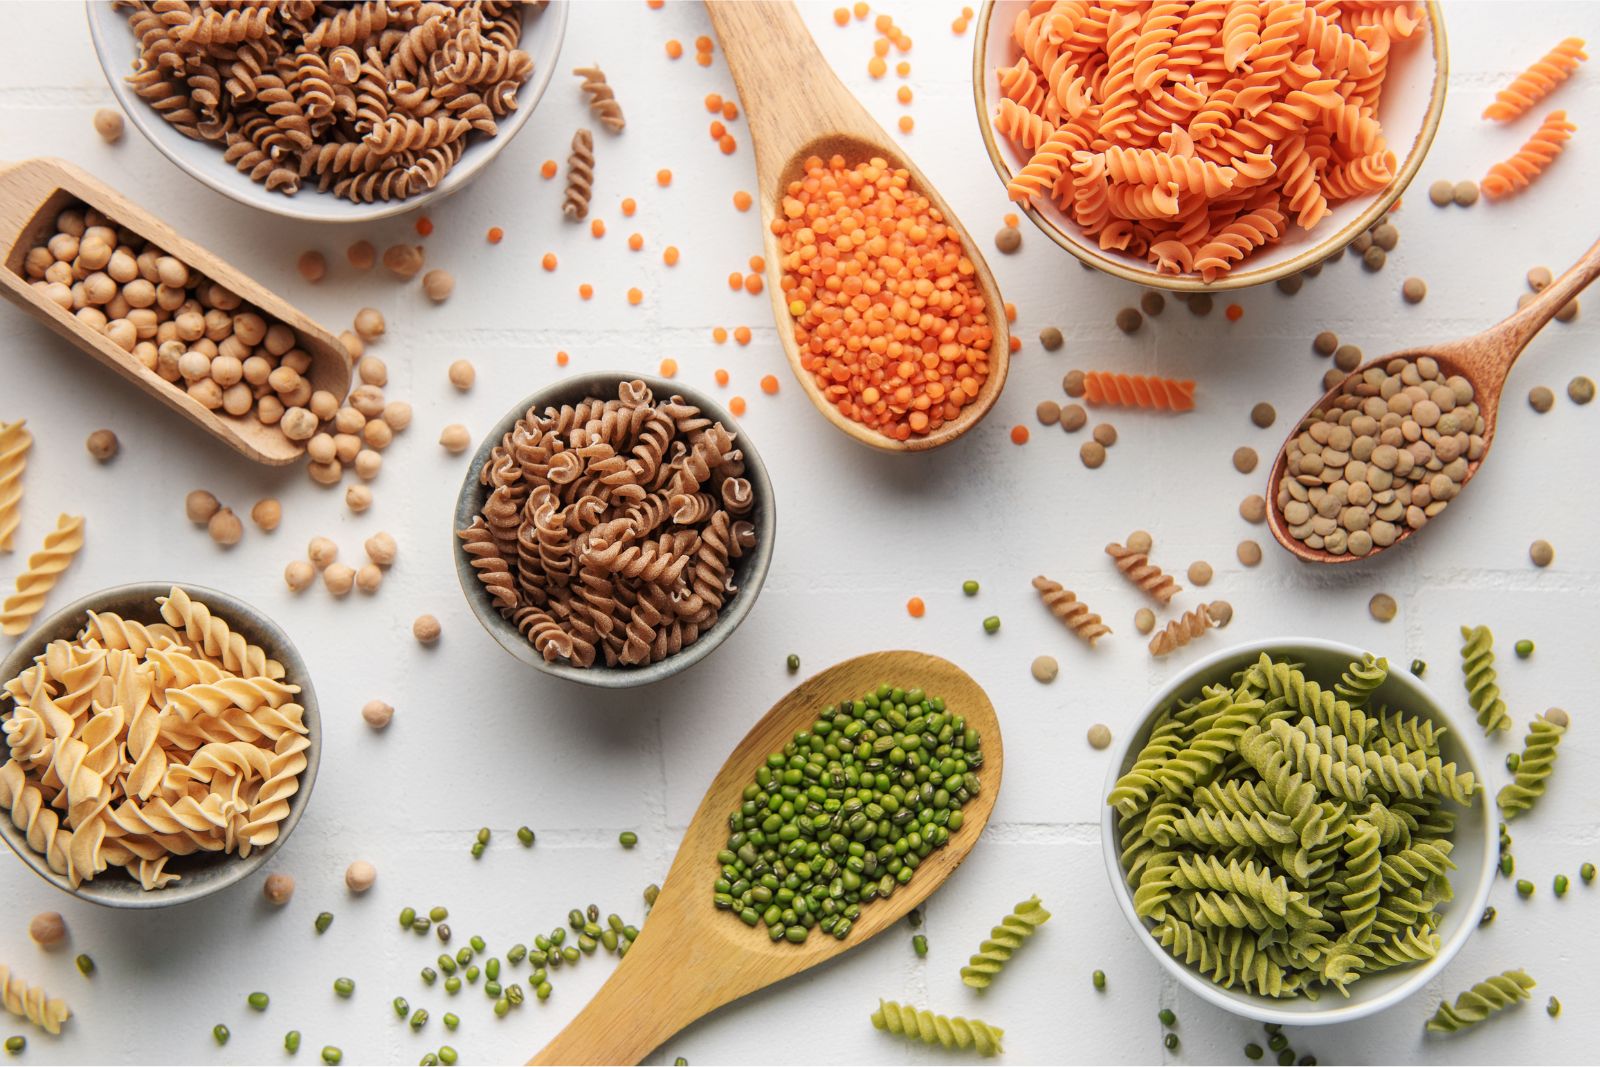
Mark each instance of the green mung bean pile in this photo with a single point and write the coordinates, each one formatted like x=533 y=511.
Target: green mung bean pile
x=847 y=812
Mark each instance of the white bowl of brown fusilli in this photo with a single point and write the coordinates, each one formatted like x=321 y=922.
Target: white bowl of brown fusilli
x=325 y=134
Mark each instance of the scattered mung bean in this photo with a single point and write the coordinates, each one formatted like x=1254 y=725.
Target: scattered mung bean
x=344 y=987
x=969 y=587
x=1488 y=916
x=1253 y=1051
x=1586 y=872
x=1168 y=1017
x=16 y=1044
x=257 y=1001
x=1524 y=888
x=85 y=964
x=332 y=1054
x=1524 y=648
x=1098 y=979
x=1552 y=1007
x=1560 y=885
x=1171 y=1041
x=323 y=921
x=1418 y=667
x=919 y=944
x=525 y=835
x=220 y=1034
x=991 y=624
x=627 y=839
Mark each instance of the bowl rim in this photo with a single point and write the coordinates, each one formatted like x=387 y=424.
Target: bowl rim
x=283 y=649
x=167 y=140
x=1331 y=244
x=1265 y=1009
x=753 y=566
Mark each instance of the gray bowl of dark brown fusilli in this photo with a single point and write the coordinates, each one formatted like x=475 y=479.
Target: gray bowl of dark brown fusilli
x=613 y=544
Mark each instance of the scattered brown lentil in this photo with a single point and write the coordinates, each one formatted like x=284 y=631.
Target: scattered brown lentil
x=1050 y=338
x=1466 y=193
x=1245 y=459
x=1008 y=239
x=1581 y=389
x=1099 y=735
x=1347 y=357
x=1541 y=399
x=1249 y=552
x=1569 y=311
x=1092 y=453
x=1221 y=612
x=1045 y=669
x=1359 y=244
x=1539 y=277
x=1541 y=553
x=1413 y=290
x=1073 y=383
x=1253 y=508
x=1073 y=417
x=1325 y=343
x=102 y=445
x=1200 y=572
x=1263 y=414
x=1331 y=377
x=1144 y=620
x=1200 y=304
x=1374 y=258
x=1153 y=303
x=1048 y=412
x=1385 y=236
x=1129 y=320
x=1290 y=284
x=1140 y=541
x=1106 y=434
x=1441 y=193
x=1383 y=607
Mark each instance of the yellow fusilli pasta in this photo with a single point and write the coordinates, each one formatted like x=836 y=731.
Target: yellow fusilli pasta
x=44 y=569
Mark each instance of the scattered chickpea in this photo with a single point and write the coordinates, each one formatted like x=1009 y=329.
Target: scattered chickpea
x=312 y=266
x=278 y=888
x=339 y=578
x=463 y=374
x=373 y=371
x=367 y=464
x=362 y=255
x=438 y=285
x=397 y=413
x=322 y=551
x=102 y=445
x=381 y=548
x=426 y=629
x=358 y=498
x=377 y=714
x=108 y=124
x=224 y=527
x=325 y=473
x=455 y=438
x=369 y=578
x=352 y=344
x=48 y=929
x=369 y=324
x=200 y=505
x=267 y=513
x=403 y=261
x=299 y=575
x=359 y=876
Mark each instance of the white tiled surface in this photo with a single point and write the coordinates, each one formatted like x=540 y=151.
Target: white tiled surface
x=479 y=740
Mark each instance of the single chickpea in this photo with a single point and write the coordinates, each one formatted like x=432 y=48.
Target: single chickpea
x=267 y=513
x=367 y=464
x=207 y=393
x=108 y=124
x=298 y=424
x=171 y=271
x=462 y=374
x=325 y=473
x=102 y=445
x=200 y=505
x=369 y=324
x=226 y=370
x=438 y=285
x=99 y=288
x=250 y=328
x=377 y=433
x=348 y=420
x=369 y=578
x=397 y=413
x=373 y=371
x=312 y=267
x=194 y=365
x=403 y=261
x=278 y=888
x=377 y=714
x=225 y=528
x=323 y=404
x=269 y=409
x=322 y=551
x=320 y=448
x=257 y=369
x=122 y=333
x=381 y=548
x=346 y=447
x=339 y=579
x=361 y=255
x=359 y=876
x=299 y=359
x=221 y=297
x=455 y=438
x=358 y=498
x=92 y=317
x=299 y=575
x=279 y=339
x=284 y=379
x=237 y=399
x=48 y=929
x=352 y=344
x=426 y=629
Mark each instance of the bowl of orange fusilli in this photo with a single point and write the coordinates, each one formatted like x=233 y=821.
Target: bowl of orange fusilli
x=163 y=743
x=1209 y=146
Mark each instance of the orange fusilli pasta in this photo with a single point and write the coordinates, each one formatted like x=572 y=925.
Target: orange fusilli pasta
x=1138 y=391
x=1535 y=83
x=1513 y=175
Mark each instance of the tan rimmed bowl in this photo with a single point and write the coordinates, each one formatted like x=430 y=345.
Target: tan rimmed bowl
x=1409 y=110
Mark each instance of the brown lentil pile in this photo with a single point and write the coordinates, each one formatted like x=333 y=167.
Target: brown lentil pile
x=1390 y=453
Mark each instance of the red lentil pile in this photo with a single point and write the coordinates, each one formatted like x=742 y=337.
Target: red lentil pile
x=888 y=315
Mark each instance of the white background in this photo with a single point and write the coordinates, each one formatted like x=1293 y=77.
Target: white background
x=479 y=739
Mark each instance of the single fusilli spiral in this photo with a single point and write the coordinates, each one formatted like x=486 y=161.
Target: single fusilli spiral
x=1361 y=680
x=1138 y=390
x=15 y=441
x=212 y=635
x=1537 y=762
x=1514 y=174
x=1491 y=995
x=1073 y=613
x=946 y=1031
x=1003 y=942
x=580 y=176
x=1180 y=631
x=1535 y=83
x=1137 y=568
x=602 y=98
x=44 y=569
x=1477 y=668
x=30 y=1002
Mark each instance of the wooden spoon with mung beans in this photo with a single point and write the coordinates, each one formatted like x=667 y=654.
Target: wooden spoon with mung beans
x=1483 y=361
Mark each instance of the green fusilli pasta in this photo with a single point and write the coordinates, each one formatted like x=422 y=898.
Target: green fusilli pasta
x=946 y=1031
x=1003 y=941
x=1477 y=668
x=1481 y=1001
x=1538 y=760
x=1282 y=837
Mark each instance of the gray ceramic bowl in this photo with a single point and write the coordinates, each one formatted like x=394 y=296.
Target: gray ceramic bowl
x=202 y=873
x=750 y=570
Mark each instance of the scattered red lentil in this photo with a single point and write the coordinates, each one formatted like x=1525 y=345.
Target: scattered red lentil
x=877 y=67
x=1234 y=312
x=904 y=94
x=902 y=68
x=966 y=13
x=549 y=261
x=883 y=24
x=718 y=130
x=585 y=291
x=636 y=241
x=730 y=110
x=727 y=144
x=753 y=284
x=1011 y=311
x=669 y=255
x=769 y=384
x=424 y=226
x=703 y=58
x=635 y=296
x=1010 y=219
x=888 y=316
x=663 y=177
x=719 y=335
x=741 y=334
x=736 y=281
x=674 y=49
x=736 y=405
x=655 y=5
x=880 y=47
x=597 y=227
x=907 y=123
x=629 y=206
x=916 y=608
x=669 y=367
x=495 y=235
x=547 y=169
x=903 y=43
x=757 y=263
x=1019 y=434
x=958 y=26
x=861 y=10
x=713 y=102
x=742 y=200
x=561 y=359
x=721 y=376
x=702 y=43
x=841 y=15
x=1015 y=343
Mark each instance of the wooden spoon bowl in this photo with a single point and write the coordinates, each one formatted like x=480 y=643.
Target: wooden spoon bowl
x=797 y=108
x=691 y=958
x=1485 y=361
x=34 y=192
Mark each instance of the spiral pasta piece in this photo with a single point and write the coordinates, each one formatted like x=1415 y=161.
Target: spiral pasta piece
x=1180 y=631
x=1537 y=763
x=1138 y=390
x=1003 y=942
x=1073 y=613
x=602 y=98
x=15 y=441
x=1137 y=568
x=30 y=1002
x=1538 y=81
x=1485 y=998
x=580 y=177
x=44 y=569
x=946 y=1031
x=1477 y=668
x=1516 y=173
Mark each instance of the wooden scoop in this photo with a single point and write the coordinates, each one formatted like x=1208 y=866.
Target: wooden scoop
x=797 y=108
x=692 y=958
x=34 y=192
x=1484 y=360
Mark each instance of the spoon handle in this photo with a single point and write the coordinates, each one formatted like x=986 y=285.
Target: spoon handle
x=1500 y=346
